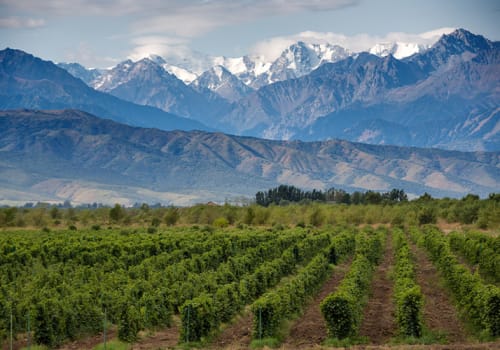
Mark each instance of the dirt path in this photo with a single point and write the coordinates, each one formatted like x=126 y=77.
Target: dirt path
x=439 y=313
x=89 y=342
x=167 y=338
x=310 y=329
x=378 y=323
x=237 y=335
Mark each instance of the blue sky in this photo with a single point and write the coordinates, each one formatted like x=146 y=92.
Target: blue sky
x=100 y=33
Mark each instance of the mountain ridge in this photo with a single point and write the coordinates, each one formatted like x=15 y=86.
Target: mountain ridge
x=27 y=81
x=446 y=96
x=73 y=155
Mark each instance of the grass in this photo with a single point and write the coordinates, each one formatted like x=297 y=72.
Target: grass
x=113 y=345
x=346 y=342
x=36 y=347
x=269 y=342
x=428 y=337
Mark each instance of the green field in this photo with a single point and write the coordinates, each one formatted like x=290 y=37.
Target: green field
x=142 y=277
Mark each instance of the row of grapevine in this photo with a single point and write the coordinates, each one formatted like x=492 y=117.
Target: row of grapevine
x=275 y=306
x=343 y=309
x=187 y=283
x=480 y=302
x=206 y=311
x=479 y=249
x=407 y=293
x=138 y=278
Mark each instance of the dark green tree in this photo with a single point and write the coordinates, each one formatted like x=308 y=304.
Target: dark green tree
x=116 y=213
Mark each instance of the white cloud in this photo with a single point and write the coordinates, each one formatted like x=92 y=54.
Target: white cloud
x=163 y=46
x=187 y=18
x=84 y=55
x=271 y=48
x=174 y=7
x=196 y=17
x=19 y=22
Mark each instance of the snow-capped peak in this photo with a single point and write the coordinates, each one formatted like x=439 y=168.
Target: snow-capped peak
x=398 y=49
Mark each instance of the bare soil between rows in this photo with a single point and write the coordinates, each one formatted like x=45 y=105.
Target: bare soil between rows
x=378 y=323
x=310 y=329
x=306 y=332
x=439 y=313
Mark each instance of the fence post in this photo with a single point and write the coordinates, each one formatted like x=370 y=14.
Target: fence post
x=10 y=327
x=29 y=332
x=260 y=322
x=188 y=322
x=104 y=328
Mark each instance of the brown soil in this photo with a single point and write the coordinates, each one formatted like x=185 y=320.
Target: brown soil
x=90 y=342
x=310 y=329
x=447 y=227
x=439 y=313
x=237 y=335
x=167 y=338
x=378 y=323
x=20 y=342
x=84 y=343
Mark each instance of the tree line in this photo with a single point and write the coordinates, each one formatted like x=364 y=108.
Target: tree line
x=285 y=194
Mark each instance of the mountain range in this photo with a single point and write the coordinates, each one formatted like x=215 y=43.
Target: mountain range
x=425 y=122
x=446 y=95
x=72 y=155
x=29 y=82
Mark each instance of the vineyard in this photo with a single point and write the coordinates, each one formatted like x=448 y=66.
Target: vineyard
x=248 y=286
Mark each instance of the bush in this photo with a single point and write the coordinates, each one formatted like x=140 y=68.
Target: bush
x=198 y=317
x=130 y=324
x=479 y=301
x=267 y=312
x=343 y=309
x=171 y=216
x=426 y=216
x=339 y=311
x=221 y=222
x=408 y=296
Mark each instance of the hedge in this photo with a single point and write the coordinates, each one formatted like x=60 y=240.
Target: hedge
x=221 y=303
x=274 y=307
x=480 y=302
x=343 y=309
x=408 y=296
x=478 y=249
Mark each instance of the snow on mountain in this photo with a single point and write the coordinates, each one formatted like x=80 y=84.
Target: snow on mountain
x=254 y=71
x=80 y=72
x=183 y=74
x=225 y=84
x=398 y=49
x=298 y=60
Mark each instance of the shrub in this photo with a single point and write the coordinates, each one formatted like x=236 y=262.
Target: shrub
x=129 y=324
x=479 y=301
x=407 y=294
x=198 y=317
x=221 y=222
x=343 y=309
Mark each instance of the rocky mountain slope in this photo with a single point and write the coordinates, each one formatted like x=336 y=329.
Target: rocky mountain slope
x=58 y=155
x=29 y=82
x=447 y=96
x=147 y=83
